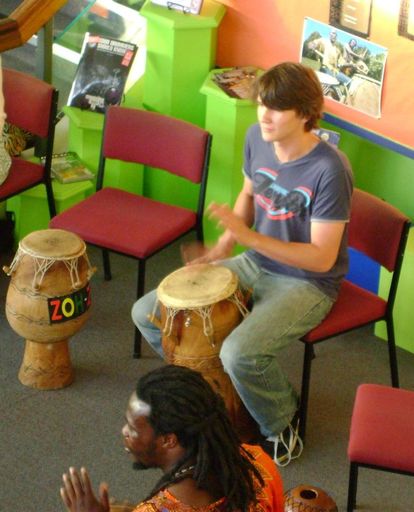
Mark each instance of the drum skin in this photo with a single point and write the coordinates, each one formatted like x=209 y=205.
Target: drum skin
x=308 y=498
x=27 y=307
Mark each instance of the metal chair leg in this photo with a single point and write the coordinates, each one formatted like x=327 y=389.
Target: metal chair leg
x=106 y=265
x=140 y=293
x=304 y=395
x=352 y=486
x=392 y=352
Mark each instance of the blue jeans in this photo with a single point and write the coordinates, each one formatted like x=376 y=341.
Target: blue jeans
x=284 y=309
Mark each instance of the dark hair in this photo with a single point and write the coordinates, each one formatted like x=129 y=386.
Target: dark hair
x=183 y=402
x=291 y=86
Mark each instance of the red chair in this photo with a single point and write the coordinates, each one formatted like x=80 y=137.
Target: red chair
x=30 y=104
x=379 y=231
x=130 y=224
x=381 y=433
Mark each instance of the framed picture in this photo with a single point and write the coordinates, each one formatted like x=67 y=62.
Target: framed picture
x=186 y=6
x=350 y=69
x=354 y=16
x=406 y=19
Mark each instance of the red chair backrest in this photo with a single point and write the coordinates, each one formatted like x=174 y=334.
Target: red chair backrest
x=157 y=140
x=27 y=101
x=375 y=228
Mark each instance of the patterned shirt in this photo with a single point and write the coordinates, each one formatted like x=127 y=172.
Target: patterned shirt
x=270 y=496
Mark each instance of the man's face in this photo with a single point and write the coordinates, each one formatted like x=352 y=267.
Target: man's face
x=332 y=37
x=279 y=125
x=139 y=437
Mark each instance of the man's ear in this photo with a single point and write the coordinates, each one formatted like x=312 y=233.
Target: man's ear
x=169 y=441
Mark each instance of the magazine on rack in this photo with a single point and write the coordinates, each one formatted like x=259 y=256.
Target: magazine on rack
x=102 y=73
x=67 y=168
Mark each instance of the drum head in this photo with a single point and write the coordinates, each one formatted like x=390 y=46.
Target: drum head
x=197 y=286
x=52 y=243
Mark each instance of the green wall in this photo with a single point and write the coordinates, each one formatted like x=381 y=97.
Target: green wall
x=378 y=170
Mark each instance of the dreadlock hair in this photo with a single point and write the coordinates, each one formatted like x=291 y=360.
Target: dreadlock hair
x=183 y=402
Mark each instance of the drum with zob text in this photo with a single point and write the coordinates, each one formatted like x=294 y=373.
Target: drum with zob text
x=200 y=305
x=47 y=302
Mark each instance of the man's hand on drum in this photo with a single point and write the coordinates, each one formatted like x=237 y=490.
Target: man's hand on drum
x=78 y=496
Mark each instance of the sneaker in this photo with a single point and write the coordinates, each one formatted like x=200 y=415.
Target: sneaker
x=287 y=445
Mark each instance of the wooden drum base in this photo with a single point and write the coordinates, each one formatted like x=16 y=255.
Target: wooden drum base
x=46 y=365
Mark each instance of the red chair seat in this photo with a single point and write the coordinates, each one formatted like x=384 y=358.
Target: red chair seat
x=382 y=428
x=354 y=307
x=22 y=175
x=99 y=221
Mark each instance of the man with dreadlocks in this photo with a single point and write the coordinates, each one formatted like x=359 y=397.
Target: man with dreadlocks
x=176 y=422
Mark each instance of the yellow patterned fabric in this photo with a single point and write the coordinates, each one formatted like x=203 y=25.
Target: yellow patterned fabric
x=5 y=162
x=16 y=139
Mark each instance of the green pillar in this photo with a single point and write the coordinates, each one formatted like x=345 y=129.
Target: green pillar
x=181 y=50
x=227 y=119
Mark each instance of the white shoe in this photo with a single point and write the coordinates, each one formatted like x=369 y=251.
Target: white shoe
x=288 y=444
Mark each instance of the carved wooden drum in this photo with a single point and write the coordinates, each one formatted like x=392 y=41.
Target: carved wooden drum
x=48 y=301
x=200 y=305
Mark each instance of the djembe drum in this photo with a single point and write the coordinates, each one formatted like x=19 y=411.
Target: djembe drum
x=308 y=498
x=200 y=305
x=47 y=302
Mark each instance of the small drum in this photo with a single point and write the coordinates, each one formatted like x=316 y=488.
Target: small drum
x=308 y=498
x=48 y=301
x=200 y=305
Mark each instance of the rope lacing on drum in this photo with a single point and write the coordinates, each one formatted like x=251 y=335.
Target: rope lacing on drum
x=204 y=313
x=42 y=265
x=169 y=320
x=238 y=300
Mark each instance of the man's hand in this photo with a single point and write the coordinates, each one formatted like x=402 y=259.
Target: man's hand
x=231 y=222
x=78 y=496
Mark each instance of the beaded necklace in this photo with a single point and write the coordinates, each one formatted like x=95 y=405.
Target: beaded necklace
x=182 y=471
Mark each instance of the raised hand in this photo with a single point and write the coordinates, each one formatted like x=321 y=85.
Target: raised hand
x=228 y=220
x=78 y=496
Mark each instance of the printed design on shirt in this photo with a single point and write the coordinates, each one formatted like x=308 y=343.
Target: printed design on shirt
x=278 y=202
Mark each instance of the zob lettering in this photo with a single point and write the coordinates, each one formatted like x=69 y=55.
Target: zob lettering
x=62 y=309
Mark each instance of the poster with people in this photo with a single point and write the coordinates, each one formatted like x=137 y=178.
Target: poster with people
x=350 y=69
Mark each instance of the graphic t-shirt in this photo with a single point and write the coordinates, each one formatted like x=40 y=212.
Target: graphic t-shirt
x=290 y=196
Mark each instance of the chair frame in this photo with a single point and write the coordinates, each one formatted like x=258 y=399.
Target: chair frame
x=309 y=352
x=372 y=404
x=110 y=150
x=11 y=76
x=142 y=262
x=353 y=480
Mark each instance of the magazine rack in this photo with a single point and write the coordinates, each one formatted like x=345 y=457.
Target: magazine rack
x=227 y=119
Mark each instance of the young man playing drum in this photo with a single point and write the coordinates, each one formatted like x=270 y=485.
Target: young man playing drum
x=291 y=215
x=176 y=422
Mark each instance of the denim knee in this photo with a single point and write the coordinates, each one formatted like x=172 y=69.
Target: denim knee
x=141 y=309
x=230 y=356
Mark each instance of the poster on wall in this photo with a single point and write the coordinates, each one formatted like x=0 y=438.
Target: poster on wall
x=350 y=69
